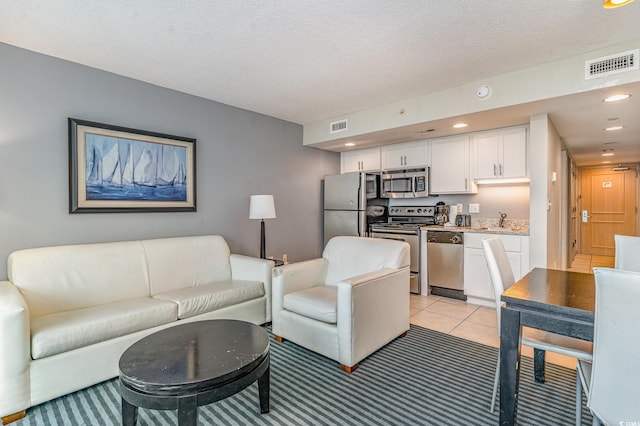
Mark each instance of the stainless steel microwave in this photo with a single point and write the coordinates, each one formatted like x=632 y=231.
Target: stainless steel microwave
x=404 y=183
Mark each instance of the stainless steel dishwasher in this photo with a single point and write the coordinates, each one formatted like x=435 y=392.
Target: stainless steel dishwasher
x=445 y=263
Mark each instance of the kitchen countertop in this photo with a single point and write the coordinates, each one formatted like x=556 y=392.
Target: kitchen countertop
x=479 y=229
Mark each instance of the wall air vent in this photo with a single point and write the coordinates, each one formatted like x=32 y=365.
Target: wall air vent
x=338 y=126
x=612 y=64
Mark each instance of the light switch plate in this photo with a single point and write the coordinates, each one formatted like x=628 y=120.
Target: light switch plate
x=474 y=208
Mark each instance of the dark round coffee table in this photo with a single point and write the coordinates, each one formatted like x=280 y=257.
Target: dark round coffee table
x=194 y=364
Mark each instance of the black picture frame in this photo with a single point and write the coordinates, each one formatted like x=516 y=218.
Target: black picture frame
x=116 y=169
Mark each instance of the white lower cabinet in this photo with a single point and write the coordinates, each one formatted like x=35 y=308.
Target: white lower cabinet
x=477 y=281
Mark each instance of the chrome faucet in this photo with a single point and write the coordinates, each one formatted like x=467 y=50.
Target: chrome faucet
x=502 y=216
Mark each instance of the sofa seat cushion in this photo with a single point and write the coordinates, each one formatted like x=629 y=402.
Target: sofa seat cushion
x=64 y=331
x=319 y=303
x=209 y=297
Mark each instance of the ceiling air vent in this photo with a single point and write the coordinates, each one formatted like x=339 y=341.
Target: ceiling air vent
x=338 y=126
x=612 y=64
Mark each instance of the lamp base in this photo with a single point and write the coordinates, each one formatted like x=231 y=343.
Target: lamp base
x=262 y=243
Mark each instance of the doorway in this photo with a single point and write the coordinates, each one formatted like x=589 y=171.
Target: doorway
x=607 y=206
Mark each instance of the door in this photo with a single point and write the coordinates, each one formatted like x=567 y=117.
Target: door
x=344 y=192
x=607 y=207
x=344 y=222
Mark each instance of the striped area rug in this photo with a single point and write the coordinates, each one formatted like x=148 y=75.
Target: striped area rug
x=425 y=378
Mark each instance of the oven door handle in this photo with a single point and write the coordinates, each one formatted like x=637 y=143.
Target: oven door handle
x=395 y=231
x=392 y=238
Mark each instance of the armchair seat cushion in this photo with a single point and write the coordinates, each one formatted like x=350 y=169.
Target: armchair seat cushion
x=319 y=303
x=209 y=297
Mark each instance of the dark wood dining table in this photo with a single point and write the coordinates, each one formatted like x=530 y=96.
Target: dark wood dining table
x=557 y=301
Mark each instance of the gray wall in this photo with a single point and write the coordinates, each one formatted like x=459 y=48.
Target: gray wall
x=239 y=153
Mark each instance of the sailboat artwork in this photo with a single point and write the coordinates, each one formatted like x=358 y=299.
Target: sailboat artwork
x=128 y=169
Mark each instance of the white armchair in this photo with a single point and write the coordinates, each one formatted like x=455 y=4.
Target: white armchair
x=347 y=304
x=627 y=252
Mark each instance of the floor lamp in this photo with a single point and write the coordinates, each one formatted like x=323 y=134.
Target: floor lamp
x=262 y=207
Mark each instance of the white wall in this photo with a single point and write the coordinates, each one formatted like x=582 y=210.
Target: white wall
x=538 y=164
x=554 y=190
x=550 y=80
x=238 y=153
x=545 y=229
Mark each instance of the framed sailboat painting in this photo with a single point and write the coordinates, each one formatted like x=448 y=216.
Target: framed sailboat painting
x=118 y=169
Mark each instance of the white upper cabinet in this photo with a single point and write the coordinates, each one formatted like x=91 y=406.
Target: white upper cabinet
x=360 y=160
x=499 y=153
x=405 y=155
x=450 y=171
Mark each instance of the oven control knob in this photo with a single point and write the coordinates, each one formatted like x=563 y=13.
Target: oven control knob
x=455 y=239
x=419 y=210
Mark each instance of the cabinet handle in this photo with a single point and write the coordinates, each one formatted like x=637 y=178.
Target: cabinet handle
x=465 y=184
x=501 y=170
x=494 y=170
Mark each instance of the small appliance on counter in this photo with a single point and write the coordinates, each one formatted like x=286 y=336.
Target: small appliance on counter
x=463 y=220
x=442 y=213
x=454 y=210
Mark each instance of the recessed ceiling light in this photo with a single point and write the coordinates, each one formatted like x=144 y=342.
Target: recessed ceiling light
x=460 y=125
x=608 y=129
x=607 y=152
x=349 y=144
x=612 y=4
x=615 y=98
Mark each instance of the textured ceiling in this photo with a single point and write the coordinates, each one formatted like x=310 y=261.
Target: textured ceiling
x=304 y=60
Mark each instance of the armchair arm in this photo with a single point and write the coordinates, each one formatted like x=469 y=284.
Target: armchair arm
x=16 y=338
x=254 y=269
x=373 y=309
x=294 y=277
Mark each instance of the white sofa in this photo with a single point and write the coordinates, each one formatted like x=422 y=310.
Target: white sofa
x=347 y=304
x=67 y=313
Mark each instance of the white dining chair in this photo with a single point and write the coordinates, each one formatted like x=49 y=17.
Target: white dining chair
x=627 y=252
x=502 y=278
x=611 y=379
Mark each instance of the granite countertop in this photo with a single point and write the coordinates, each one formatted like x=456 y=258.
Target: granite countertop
x=507 y=230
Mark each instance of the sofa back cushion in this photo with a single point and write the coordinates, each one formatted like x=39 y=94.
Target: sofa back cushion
x=351 y=256
x=64 y=278
x=181 y=262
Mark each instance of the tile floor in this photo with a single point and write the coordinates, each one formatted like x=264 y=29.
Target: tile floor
x=479 y=323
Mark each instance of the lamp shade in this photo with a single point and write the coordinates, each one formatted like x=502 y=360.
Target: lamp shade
x=262 y=207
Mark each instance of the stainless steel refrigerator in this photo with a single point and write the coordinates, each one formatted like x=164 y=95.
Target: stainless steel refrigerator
x=345 y=203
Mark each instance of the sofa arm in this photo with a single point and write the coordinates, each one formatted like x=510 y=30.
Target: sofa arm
x=254 y=269
x=294 y=277
x=15 y=338
x=373 y=309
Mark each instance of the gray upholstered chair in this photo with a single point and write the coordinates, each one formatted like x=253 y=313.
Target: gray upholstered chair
x=627 y=252
x=346 y=304
x=611 y=380
x=502 y=278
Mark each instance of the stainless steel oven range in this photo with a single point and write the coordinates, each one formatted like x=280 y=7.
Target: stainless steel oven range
x=404 y=224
